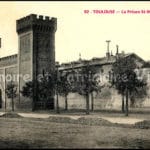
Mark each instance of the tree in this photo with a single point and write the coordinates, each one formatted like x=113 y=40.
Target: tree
x=57 y=83
x=11 y=90
x=27 y=89
x=45 y=87
x=87 y=84
x=64 y=87
x=95 y=85
x=138 y=95
x=125 y=79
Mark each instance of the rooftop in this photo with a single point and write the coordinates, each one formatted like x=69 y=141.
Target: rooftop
x=98 y=61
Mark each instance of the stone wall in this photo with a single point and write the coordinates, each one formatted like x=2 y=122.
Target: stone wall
x=103 y=100
x=106 y=99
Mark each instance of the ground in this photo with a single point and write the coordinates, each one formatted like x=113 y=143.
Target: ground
x=42 y=132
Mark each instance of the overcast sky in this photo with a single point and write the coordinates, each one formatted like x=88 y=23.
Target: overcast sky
x=82 y=33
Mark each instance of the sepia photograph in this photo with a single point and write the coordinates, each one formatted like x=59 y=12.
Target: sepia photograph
x=75 y=74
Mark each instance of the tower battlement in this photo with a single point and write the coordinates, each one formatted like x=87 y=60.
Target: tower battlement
x=36 y=52
x=33 y=21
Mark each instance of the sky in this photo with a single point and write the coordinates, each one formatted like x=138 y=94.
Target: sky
x=78 y=32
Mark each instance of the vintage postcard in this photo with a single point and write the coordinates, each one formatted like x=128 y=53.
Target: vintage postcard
x=74 y=74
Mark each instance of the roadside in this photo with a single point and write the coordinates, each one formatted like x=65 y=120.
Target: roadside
x=72 y=129
x=42 y=133
x=115 y=118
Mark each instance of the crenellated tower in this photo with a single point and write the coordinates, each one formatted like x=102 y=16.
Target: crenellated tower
x=36 y=48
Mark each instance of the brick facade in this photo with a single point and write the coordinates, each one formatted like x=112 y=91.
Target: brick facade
x=36 y=54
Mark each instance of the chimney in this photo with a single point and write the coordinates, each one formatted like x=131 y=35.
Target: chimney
x=111 y=53
x=117 y=49
x=108 y=53
x=80 y=57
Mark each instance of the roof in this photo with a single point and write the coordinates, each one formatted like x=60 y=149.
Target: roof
x=98 y=61
x=134 y=55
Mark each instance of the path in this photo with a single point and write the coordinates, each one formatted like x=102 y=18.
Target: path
x=122 y=120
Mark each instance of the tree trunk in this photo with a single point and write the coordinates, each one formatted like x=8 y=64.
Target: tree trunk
x=45 y=103
x=12 y=103
x=66 y=103
x=87 y=104
x=12 y=98
x=5 y=103
x=57 y=104
x=35 y=96
x=33 y=105
x=132 y=100
x=127 y=96
x=92 y=102
x=123 y=106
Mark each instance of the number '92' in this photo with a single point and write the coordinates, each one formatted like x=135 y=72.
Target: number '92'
x=86 y=11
